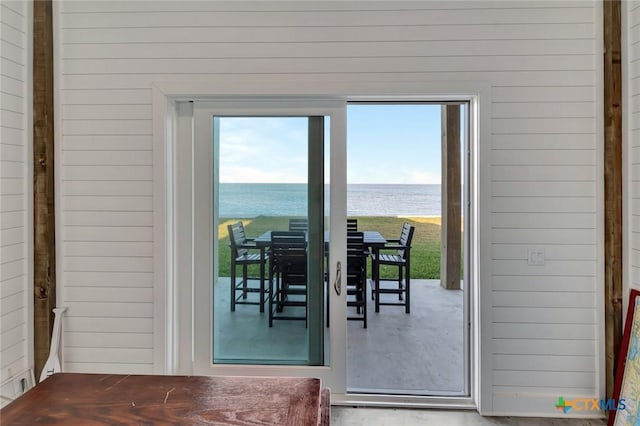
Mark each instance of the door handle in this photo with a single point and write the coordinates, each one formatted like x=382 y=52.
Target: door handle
x=337 y=284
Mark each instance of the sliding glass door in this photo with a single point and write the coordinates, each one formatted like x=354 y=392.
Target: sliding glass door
x=266 y=298
x=267 y=236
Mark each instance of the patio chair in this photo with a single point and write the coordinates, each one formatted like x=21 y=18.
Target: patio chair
x=400 y=258
x=288 y=276
x=352 y=226
x=298 y=224
x=241 y=254
x=357 y=276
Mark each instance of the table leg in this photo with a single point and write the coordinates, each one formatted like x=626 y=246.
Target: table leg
x=262 y=261
x=407 y=278
x=376 y=280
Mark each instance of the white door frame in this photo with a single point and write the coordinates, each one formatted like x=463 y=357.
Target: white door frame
x=173 y=322
x=333 y=376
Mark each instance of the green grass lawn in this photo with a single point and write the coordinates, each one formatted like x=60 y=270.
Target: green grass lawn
x=425 y=248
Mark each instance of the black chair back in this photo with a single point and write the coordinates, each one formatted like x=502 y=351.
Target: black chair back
x=298 y=224
x=352 y=225
x=356 y=256
x=289 y=251
x=405 y=238
x=237 y=239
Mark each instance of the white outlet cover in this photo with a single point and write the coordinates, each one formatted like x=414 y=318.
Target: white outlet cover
x=535 y=257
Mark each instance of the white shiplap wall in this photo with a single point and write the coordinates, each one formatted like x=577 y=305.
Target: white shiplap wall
x=542 y=60
x=15 y=189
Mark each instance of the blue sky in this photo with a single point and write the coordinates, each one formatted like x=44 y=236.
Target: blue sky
x=393 y=143
x=385 y=144
x=263 y=149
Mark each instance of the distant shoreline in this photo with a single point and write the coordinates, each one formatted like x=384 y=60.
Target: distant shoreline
x=282 y=199
x=221 y=218
x=327 y=184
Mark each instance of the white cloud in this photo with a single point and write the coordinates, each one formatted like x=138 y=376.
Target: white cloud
x=252 y=175
x=269 y=150
x=424 y=178
x=390 y=175
x=274 y=149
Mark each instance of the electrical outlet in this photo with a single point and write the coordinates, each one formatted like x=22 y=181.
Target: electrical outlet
x=16 y=386
x=22 y=383
x=535 y=257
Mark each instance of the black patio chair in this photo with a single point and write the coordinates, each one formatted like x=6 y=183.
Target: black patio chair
x=400 y=257
x=352 y=225
x=356 y=272
x=298 y=224
x=241 y=254
x=288 y=276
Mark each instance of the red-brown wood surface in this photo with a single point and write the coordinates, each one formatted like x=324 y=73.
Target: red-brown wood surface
x=100 y=399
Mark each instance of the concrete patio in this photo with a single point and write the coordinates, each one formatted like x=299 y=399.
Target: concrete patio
x=418 y=353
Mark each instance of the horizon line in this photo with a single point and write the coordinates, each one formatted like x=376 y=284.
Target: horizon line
x=327 y=183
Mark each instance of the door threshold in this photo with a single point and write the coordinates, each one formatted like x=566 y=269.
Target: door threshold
x=403 y=401
x=406 y=392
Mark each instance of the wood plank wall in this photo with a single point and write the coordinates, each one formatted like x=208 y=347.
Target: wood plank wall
x=612 y=186
x=43 y=182
x=451 y=199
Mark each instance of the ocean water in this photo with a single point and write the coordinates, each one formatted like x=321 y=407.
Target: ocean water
x=290 y=199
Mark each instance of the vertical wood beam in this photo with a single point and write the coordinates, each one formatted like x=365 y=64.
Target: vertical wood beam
x=612 y=186
x=44 y=262
x=450 y=230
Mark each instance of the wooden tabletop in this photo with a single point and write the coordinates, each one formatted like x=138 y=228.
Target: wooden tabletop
x=99 y=399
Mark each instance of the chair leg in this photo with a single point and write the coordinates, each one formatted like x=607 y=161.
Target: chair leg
x=244 y=281
x=233 y=286
x=399 y=282
x=328 y=296
x=407 y=266
x=306 y=313
x=270 y=297
x=363 y=296
x=327 y=290
x=262 y=289
x=407 y=307
x=377 y=291
x=280 y=291
x=373 y=277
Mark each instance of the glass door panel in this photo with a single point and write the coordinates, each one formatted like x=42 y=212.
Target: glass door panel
x=413 y=313
x=261 y=168
x=268 y=221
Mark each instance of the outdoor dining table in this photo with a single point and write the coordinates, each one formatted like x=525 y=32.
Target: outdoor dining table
x=372 y=240
x=79 y=399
